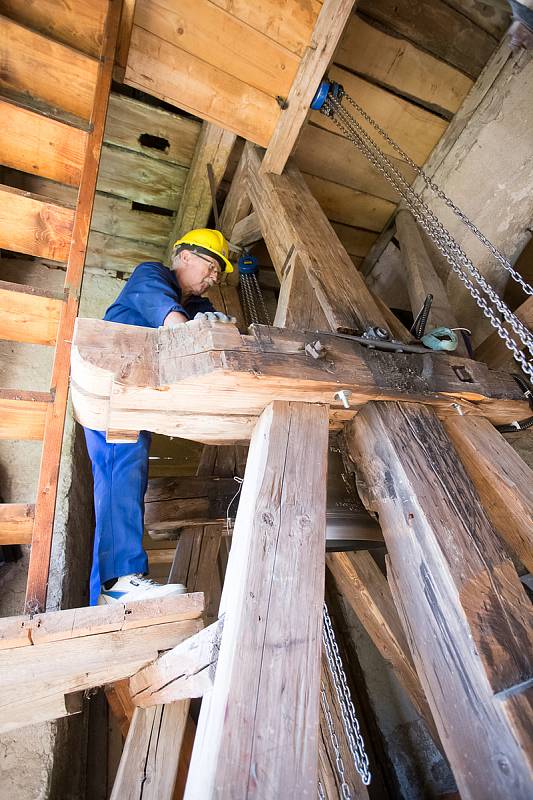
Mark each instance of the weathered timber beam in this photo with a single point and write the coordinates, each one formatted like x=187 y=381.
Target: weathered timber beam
x=237 y=204
x=185 y=671
x=422 y=278
x=54 y=706
x=327 y=31
x=149 y=764
x=257 y=724
x=494 y=352
x=126 y=379
x=502 y=479
x=246 y=231
x=290 y=217
x=468 y=618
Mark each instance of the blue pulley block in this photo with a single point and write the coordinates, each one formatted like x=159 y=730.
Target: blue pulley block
x=247 y=264
x=326 y=88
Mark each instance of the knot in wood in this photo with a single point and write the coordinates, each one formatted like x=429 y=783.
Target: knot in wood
x=267 y=518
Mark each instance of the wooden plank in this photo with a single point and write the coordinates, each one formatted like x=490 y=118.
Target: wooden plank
x=493 y=17
x=32 y=674
x=165 y=71
x=247 y=231
x=149 y=764
x=184 y=672
x=291 y=25
x=134 y=176
x=262 y=63
x=332 y=157
x=127 y=119
x=502 y=479
x=37 y=66
x=22 y=414
x=124 y=38
x=348 y=206
x=435 y=27
x=120 y=254
x=356 y=241
x=34 y=143
x=328 y=28
x=422 y=278
x=297 y=303
x=415 y=129
x=79 y=25
x=32 y=225
x=116 y=217
x=55 y=706
x=469 y=619
x=290 y=217
x=237 y=204
x=275 y=570
x=77 y=623
x=26 y=315
x=397 y=64
x=59 y=385
x=364 y=587
x=213 y=147
x=16 y=523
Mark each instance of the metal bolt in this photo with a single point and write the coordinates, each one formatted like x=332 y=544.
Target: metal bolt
x=456 y=407
x=343 y=396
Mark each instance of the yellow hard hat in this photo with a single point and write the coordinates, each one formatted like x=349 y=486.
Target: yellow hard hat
x=210 y=242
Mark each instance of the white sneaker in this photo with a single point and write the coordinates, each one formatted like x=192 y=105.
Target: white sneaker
x=137 y=587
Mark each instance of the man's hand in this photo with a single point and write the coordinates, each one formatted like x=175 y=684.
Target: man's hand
x=215 y=316
x=173 y=319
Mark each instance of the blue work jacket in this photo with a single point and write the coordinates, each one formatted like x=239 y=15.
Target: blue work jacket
x=150 y=294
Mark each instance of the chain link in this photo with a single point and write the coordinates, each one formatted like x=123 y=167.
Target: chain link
x=339 y=763
x=252 y=297
x=349 y=718
x=454 y=255
x=506 y=264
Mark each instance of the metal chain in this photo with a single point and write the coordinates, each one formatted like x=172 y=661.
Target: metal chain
x=506 y=264
x=261 y=299
x=252 y=296
x=349 y=718
x=339 y=763
x=445 y=242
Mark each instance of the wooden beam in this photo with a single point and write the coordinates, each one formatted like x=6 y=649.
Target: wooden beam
x=16 y=523
x=494 y=352
x=265 y=729
x=40 y=145
x=55 y=706
x=23 y=414
x=422 y=278
x=209 y=365
x=246 y=232
x=149 y=764
x=28 y=314
x=469 y=619
x=326 y=34
x=289 y=216
x=32 y=225
x=364 y=587
x=214 y=147
x=124 y=38
x=184 y=672
x=502 y=479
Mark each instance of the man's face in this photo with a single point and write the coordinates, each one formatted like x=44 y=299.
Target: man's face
x=195 y=272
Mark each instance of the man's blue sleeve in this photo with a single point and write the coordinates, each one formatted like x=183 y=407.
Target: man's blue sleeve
x=197 y=303
x=151 y=294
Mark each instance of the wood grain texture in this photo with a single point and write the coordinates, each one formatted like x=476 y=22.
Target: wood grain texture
x=109 y=252
x=16 y=523
x=30 y=224
x=28 y=316
x=468 y=617
x=397 y=64
x=80 y=25
x=36 y=66
x=261 y=735
x=348 y=206
x=124 y=39
x=165 y=71
x=494 y=352
x=149 y=764
x=326 y=33
x=237 y=204
x=33 y=143
x=22 y=414
x=502 y=479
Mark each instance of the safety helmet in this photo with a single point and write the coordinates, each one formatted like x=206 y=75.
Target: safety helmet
x=210 y=242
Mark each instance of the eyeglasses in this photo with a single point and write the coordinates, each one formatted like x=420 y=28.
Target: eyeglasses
x=215 y=267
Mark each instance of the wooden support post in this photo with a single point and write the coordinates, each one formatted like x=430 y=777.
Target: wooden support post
x=422 y=278
x=502 y=479
x=290 y=216
x=258 y=729
x=469 y=620
x=237 y=205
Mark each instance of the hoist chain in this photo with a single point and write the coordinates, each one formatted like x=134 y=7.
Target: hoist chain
x=349 y=718
x=339 y=763
x=252 y=297
x=434 y=228
x=506 y=264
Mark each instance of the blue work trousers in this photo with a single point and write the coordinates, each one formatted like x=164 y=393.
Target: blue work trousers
x=120 y=473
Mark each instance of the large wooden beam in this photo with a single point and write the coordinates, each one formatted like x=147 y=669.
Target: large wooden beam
x=469 y=620
x=290 y=217
x=118 y=372
x=237 y=203
x=258 y=727
x=328 y=29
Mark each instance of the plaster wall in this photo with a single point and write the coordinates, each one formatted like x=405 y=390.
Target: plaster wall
x=33 y=760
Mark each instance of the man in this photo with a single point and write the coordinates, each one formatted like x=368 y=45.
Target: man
x=154 y=296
